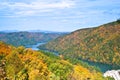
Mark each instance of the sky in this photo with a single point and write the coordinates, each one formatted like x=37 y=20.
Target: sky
x=56 y=15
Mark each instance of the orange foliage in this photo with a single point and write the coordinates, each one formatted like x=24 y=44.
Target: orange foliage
x=4 y=49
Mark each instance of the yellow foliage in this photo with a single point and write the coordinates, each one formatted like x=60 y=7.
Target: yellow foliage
x=81 y=73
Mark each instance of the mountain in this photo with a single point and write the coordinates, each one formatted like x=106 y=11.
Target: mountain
x=28 y=38
x=98 y=44
x=19 y=63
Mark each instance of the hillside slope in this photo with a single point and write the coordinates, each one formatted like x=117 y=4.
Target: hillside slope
x=26 y=64
x=99 y=44
x=27 y=38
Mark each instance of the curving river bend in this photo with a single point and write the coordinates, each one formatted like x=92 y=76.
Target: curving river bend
x=103 y=67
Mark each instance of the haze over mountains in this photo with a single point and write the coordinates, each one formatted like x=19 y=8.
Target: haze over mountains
x=44 y=31
x=99 y=44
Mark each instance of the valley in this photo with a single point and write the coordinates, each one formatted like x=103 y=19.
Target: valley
x=26 y=38
x=27 y=64
x=92 y=50
x=99 y=44
x=59 y=39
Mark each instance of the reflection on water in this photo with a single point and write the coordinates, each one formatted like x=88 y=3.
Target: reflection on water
x=34 y=47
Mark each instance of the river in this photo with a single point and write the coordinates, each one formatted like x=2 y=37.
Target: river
x=103 y=67
x=35 y=46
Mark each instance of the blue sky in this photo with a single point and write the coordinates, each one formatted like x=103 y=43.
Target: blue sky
x=56 y=15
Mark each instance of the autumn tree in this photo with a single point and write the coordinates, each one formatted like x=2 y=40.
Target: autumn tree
x=13 y=65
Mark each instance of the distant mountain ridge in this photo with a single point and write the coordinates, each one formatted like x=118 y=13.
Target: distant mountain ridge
x=99 y=44
x=25 y=38
x=42 y=31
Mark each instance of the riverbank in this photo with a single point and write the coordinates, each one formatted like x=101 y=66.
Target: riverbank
x=103 y=67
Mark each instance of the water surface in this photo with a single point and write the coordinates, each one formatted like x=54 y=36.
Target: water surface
x=35 y=46
x=103 y=67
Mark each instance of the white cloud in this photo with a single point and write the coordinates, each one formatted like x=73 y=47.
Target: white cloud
x=20 y=8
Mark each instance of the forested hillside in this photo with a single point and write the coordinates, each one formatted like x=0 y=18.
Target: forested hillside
x=27 y=38
x=99 y=44
x=25 y=64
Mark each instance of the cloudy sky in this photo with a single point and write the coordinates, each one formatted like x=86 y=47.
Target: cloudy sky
x=56 y=15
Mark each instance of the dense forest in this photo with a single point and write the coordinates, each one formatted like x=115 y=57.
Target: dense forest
x=19 y=63
x=28 y=38
x=98 y=44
